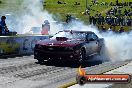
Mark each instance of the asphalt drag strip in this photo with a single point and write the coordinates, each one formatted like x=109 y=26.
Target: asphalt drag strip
x=26 y=72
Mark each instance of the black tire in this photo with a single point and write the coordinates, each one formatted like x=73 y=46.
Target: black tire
x=82 y=56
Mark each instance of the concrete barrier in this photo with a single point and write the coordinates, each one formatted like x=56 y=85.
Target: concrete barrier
x=21 y=44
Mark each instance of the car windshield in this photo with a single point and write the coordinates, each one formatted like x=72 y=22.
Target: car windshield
x=69 y=35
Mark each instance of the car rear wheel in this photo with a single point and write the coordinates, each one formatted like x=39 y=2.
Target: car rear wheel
x=82 y=56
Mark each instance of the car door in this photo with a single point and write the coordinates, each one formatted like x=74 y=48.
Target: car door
x=91 y=45
x=95 y=43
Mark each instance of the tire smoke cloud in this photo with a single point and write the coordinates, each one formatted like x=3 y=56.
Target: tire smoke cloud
x=31 y=14
x=119 y=46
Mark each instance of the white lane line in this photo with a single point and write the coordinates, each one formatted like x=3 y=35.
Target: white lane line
x=91 y=86
x=127 y=69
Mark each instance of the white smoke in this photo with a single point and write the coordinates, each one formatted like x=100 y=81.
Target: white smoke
x=31 y=14
x=119 y=46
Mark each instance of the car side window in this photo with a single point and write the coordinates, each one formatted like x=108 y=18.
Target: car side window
x=94 y=36
x=91 y=36
x=88 y=36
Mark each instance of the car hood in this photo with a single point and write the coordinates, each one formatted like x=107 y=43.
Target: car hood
x=55 y=42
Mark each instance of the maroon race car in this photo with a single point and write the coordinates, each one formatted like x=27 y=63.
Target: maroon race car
x=68 y=46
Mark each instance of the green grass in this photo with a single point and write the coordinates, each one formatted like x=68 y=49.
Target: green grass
x=69 y=7
x=60 y=10
x=63 y=9
x=10 y=6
